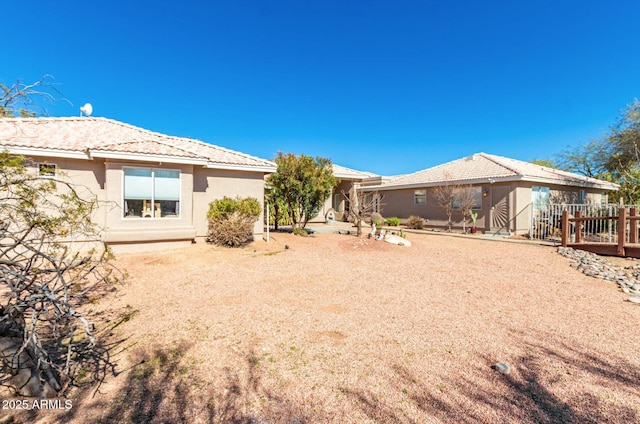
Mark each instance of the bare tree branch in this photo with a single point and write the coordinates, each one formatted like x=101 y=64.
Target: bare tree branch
x=20 y=99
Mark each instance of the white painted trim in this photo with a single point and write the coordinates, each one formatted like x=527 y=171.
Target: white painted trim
x=146 y=157
x=485 y=181
x=231 y=167
x=47 y=152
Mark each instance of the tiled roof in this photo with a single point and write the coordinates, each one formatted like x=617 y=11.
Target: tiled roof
x=344 y=172
x=482 y=167
x=100 y=136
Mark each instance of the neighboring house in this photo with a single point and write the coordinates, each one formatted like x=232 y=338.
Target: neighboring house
x=151 y=188
x=506 y=192
x=338 y=202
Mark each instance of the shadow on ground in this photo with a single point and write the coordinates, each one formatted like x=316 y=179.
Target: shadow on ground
x=161 y=388
x=525 y=395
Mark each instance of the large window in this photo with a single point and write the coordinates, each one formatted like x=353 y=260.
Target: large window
x=420 y=197
x=540 y=197
x=467 y=197
x=151 y=193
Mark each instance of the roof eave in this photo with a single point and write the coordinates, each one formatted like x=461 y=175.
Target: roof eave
x=492 y=180
x=56 y=153
x=235 y=167
x=104 y=154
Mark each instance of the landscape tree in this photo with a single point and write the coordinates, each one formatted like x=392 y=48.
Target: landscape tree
x=46 y=280
x=278 y=212
x=464 y=201
x=444 y=195
x=25 y=100
x=52 y=264
x=614 y=157
x=361 y=206
x=303 y=184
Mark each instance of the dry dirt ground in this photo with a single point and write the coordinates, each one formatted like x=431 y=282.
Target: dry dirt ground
x=332 y=328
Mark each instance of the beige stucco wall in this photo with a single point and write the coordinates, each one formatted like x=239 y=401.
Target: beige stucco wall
x=120 y=229
x=87 y=177
x=400 y=203
x=103 y=180
x=212 y=184
x=558 y=194
x=344 y=185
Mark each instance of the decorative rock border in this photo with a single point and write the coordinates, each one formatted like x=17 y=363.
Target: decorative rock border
x=627 y=278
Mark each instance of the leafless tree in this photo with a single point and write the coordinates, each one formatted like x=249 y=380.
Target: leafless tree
x=464 y=200
x=52 y=264
x=444 y=195
x=20 y=99
x=361 y=205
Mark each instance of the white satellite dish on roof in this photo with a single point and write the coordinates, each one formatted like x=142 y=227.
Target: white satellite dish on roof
x=87 y=109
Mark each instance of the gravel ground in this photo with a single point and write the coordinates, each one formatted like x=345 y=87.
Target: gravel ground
x=332 y=328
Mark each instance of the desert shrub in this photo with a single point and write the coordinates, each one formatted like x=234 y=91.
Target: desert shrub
x=377 y=219
x=415 y=222
x=231 y=220
x=394 y=221
x=300 y=231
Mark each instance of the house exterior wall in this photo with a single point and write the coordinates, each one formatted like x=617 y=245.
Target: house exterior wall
x=557 y=194
x=212 y=184
x=121 y=229
x=104 y=181
x=330 y=203
x=400 y=203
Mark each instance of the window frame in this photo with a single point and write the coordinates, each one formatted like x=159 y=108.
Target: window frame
x=44 y=174
x=416 y=196
x=455 y=203
x=153 y=170
x=541 y=190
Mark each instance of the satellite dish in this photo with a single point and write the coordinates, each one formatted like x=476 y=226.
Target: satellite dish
x=87 y=109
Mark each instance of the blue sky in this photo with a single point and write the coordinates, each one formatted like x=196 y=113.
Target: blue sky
x=389 y=87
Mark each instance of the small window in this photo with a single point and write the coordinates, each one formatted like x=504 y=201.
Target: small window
x=581 y=195
x=420 y=197
x=47 y=169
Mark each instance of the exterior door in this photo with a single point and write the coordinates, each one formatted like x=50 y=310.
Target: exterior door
x=500 y=209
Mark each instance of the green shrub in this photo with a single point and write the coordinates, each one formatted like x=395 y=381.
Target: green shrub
x=300 y=231
x=415 y=222
x=394 y=221
x=231 y=220
x=377 y=219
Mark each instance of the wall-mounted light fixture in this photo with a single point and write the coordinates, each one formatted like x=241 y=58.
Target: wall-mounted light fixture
x=485 y=192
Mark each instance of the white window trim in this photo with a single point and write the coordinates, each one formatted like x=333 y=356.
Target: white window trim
x=55 y=169
x=415 y=197
x=153 y=169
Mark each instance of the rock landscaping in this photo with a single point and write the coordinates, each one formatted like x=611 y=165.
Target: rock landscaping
x=626 y=277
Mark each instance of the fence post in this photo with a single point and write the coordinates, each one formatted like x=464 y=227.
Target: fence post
x=622 y=226
x=578 y=215
x=565 y=228
x=633 y=227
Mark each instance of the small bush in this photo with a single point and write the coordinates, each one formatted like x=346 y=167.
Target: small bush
x=415 y=222
x=231 y=220
x=300 y=231
x=394 y=221
x=377 y=219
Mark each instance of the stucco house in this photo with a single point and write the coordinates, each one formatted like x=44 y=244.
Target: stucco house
x=338 y=202
x=152 y=188
x=506 y=192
